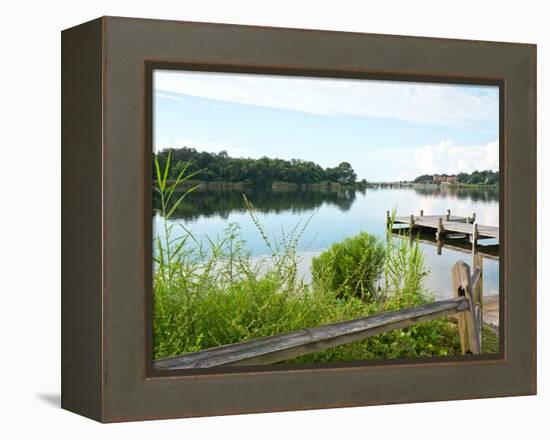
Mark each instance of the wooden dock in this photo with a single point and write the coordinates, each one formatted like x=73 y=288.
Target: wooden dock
x=489 y=251
x=444 y=224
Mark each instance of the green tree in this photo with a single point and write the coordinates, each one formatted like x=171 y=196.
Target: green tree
x=261 y=172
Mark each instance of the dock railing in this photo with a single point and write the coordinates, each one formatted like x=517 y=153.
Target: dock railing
x=466 y=305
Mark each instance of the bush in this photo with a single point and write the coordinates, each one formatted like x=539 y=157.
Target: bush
x=351 y=267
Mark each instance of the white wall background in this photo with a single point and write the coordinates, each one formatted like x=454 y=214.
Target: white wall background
x=30 y=230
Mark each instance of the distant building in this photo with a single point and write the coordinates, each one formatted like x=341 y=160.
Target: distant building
x=443 y=178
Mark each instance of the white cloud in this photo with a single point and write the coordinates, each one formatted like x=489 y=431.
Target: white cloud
x=449 y=158
x=416 y=102
x=443 y=158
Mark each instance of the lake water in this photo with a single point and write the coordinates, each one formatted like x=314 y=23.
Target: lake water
x=337 y=214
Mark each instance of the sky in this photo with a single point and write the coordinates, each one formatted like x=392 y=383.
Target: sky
x=387 y=130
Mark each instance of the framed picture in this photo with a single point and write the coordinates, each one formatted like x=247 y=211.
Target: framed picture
x=265 y=219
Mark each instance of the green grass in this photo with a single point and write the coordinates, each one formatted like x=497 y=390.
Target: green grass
x=209 y=292
x=489 y=341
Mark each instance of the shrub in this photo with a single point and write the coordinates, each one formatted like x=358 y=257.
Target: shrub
x=351 y=267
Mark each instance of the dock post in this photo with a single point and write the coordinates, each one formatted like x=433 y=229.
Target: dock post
x=473 y=217
x=387 y=218
x=421 y=213
x=439 y=233
x=448 y=214
x=475 y=234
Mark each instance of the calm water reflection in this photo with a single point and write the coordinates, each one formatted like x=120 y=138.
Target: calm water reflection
x=334 y=215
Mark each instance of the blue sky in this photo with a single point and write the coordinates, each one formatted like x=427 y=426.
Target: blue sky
x=386 y=130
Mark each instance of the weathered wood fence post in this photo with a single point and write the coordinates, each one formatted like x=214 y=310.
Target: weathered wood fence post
x=478 y=290
x=469 y=324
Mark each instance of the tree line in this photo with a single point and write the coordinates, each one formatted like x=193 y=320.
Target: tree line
x=485 y=177
x=263 y=172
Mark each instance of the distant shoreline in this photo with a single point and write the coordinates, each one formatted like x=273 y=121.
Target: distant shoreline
x=472 y=185
x=327 y=186
x=217 y=185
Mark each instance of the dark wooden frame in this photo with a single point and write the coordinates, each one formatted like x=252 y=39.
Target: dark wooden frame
x=107 y=370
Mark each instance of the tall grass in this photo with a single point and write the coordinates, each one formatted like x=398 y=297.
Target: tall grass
x=404 y=269
x=210 y=292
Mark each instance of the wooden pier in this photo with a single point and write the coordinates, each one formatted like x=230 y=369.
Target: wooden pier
x=444 y=224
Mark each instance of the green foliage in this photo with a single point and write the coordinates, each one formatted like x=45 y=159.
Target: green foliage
x=261 y=172
x=351 y=267
x=424 y=178
x=489 y=341
x=434 y=338
x=343 y=174
x=485 y=177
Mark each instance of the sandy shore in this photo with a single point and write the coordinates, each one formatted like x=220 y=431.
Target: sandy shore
x=490 y=310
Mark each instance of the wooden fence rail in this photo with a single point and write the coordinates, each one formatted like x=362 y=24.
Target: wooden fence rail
x=272 y=349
